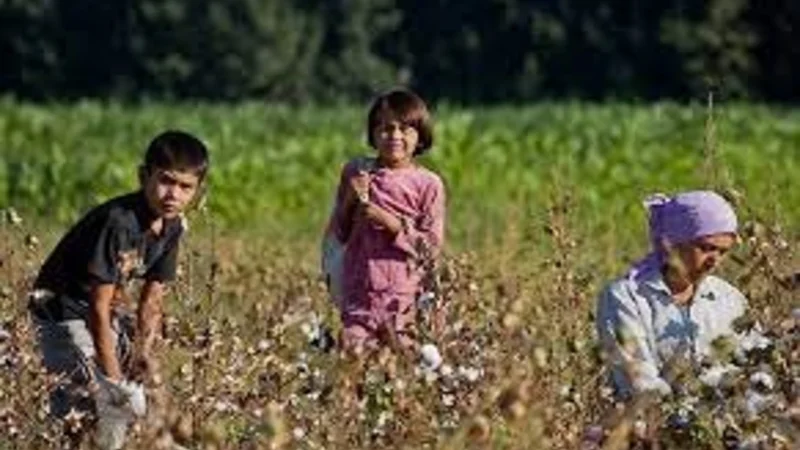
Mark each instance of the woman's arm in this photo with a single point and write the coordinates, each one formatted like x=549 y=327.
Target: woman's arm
x=624 y=338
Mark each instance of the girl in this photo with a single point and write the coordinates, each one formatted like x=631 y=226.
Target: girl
x=668 y=305
x=388 y=217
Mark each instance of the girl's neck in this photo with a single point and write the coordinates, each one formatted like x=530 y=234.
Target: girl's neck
x=395 y=165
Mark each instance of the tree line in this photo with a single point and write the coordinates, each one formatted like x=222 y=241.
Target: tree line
x=461 y=51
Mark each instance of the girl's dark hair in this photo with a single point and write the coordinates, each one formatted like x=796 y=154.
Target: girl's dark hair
x=177 y=150
x=407 y=107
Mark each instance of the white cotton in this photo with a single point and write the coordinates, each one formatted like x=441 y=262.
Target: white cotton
x=430 y=358
x=755 y=403
x=446 y=370
x=763 y=380
x=714 y=375
x=470 y=374
x=753 y=340
x=425 y=300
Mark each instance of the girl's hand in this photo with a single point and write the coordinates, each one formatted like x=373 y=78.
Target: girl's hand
x=380 y=216
x=359 y=187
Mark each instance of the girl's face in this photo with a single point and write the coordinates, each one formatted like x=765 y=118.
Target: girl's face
x=396 y=142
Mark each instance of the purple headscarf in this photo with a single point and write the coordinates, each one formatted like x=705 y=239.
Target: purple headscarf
x=683 y=218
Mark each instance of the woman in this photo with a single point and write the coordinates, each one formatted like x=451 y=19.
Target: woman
x=668 y=306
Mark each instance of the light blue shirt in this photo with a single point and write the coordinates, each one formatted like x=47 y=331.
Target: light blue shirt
x=641 y=328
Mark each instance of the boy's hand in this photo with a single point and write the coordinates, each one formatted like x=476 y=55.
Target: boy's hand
x=144 y=369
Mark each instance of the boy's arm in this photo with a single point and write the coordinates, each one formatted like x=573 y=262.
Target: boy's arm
x=150 y=313
x=151 y=304
x=100 y=329
x=149 y=316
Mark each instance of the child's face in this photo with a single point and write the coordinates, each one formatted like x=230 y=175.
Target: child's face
x=169 y=192
x=396 y=141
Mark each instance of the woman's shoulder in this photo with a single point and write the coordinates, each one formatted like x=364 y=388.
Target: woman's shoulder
x=721 y=288
x=618 y=290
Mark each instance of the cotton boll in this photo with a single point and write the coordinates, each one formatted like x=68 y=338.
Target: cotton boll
x=755 y=403
x=681 y=419
x=762 y=380
x=430 y=358
x=714 y=375
x=754 y=340
x=446 y=370
x=470 y=374
x=425 y=300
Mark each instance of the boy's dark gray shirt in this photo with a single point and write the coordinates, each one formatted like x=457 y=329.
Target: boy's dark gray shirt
x=111 y=244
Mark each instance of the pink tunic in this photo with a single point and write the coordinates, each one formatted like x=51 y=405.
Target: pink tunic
x=380 y=277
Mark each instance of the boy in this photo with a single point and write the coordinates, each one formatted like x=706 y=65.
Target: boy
x=81 y=288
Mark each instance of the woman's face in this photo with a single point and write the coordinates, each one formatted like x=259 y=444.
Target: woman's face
x=702 y=255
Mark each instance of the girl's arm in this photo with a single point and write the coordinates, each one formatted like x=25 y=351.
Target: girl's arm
x=426 y=233
x=341 y=223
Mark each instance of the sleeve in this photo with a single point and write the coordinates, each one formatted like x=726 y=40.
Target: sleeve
x=428 y=230
x=340 y=223
x=165 y=268
x=107 y=254
x=624 y=339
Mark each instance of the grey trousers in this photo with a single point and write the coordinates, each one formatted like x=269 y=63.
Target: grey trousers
x=68 y=351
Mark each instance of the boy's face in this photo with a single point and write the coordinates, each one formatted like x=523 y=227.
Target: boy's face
x=396 y=141
x=169 y=192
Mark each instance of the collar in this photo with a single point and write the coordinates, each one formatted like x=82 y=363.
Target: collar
x=654 y=279
x=144 y=214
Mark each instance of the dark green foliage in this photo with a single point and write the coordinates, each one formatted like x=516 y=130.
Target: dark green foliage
x=464 y=51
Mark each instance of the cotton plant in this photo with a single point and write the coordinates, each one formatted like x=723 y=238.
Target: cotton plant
x=739 y=390
x=744 y=395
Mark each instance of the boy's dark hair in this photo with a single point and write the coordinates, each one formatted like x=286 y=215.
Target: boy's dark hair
x=408 y=108
x=177 y=150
